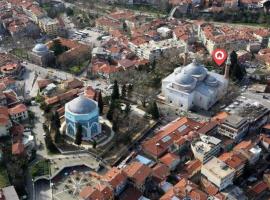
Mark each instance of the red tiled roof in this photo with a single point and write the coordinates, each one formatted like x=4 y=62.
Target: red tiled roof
x=209 y=187
x=245 y=145
x=138 y=172
x=89 y=92
x=232 y=159
x=43 y=83
x=17 y=148
x=159 y=144
x=91 y=193
x=160 y=171
x=169 y=158
x=4 y=117
x=193 y=166
x=17 y=109
x=180 y=190
x=259 y=187
x=115 y=177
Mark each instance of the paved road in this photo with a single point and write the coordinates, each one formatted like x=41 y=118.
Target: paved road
x=43 y=190
x=38 y=130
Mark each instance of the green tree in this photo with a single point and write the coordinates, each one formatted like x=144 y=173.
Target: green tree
x=49 y=143
x=94 y=144
x=78 y=137
x=58 y=48
x=56 y=123
x=235 y=69
x=69 y=11
x=124 y=91
x=127 y=109
x=98 y=98
x=153 y=110
x=115 y=125
x=115 y=92
x=57 y=136
x=110 y=112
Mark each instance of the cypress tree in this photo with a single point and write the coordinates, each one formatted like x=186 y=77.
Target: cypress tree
x=115 y=92
x=153 y=110
x=124 y=91
x=78 y=137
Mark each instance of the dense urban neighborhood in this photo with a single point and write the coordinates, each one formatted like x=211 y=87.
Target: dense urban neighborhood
x=134 y=100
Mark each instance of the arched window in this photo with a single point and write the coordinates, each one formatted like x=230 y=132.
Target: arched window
x=70 y=130
x=94 y=128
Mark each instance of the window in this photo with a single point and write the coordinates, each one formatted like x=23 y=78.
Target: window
x=94 y=128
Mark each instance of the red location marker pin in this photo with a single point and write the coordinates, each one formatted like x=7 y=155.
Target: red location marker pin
x=219 y=56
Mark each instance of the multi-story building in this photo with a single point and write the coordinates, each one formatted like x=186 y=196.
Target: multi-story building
x=218 y=172
x=49 y=26
x=205 y=147
x=234 y=127
x=153 y=50
x=18 y=112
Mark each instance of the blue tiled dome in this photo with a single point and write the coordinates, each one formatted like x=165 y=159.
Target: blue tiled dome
x=82 y=105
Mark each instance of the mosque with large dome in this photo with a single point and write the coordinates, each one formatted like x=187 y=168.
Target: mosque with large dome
x=194 y=86
x=83 y=111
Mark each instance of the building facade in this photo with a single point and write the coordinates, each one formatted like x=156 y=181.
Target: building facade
x=234 y=127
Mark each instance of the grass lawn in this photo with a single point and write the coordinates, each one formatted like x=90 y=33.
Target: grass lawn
x=4 y=181
x=21 y=53
x=41 y=168
x=77 y=69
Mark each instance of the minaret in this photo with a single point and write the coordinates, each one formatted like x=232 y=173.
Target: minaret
x=186 y=55
x=227 y=68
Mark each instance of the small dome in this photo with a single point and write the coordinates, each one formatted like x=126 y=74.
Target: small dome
x=82 y=105
x=184 y=79
x=211 y=81
x=40 y=48
x=196 y=70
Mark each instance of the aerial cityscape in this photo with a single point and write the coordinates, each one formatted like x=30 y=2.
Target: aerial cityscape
x=134 y=99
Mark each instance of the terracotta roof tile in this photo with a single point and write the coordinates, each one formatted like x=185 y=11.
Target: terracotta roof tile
x=115 y=177
x=138 y=172
x=17 y=109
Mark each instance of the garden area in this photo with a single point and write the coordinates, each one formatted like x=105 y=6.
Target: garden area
x=41 y=168
x=4 y=181
x=78 y=69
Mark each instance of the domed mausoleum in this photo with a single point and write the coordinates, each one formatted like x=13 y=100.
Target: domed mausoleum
x=41 y=55
x=84 y=111
x=194 y=86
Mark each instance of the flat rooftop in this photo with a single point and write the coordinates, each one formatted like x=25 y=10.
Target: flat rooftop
x=218 y=167
x=235 y=121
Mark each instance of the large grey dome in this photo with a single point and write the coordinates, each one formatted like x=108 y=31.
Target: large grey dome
x=82 y=105
x=40 y=49
x=196 y=70
x=184 y=79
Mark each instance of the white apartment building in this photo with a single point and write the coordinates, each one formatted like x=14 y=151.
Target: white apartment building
x=205 y=147
x=218 y=173
x=155 y=49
